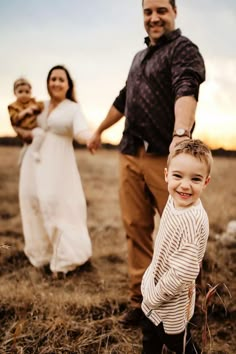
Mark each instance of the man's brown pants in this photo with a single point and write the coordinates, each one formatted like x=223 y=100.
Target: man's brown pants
x=143 y=190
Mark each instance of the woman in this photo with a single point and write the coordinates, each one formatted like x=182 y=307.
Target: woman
x=52 y=201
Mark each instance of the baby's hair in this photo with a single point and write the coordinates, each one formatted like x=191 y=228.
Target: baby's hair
x=194 y=147
x=21 y=81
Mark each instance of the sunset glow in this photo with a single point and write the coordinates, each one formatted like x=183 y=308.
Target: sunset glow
x=98 y=66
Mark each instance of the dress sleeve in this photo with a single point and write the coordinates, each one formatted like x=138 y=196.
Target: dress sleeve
x=81 y=130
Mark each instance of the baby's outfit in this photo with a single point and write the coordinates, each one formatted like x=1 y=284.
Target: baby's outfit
x=28 y=122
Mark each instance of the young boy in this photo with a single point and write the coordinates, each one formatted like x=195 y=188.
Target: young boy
x=23 y=114
x=168 y=285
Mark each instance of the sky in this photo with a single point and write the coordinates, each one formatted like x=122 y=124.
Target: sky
x=96 y=40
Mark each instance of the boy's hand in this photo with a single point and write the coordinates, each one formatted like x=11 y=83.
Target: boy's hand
x=31 y=110
x=26 y=111
x=35 y=108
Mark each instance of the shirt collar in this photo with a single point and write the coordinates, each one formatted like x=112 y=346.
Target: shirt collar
x=164 y=39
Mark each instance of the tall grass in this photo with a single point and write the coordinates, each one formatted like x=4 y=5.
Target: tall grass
x=79 y=314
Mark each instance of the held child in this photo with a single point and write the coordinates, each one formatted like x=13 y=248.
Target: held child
x=23 y=115
x=168 y=285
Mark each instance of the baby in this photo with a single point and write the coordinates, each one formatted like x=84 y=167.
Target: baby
x=23 y=114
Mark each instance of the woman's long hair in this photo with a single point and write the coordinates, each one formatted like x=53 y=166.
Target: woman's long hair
x=71 y=90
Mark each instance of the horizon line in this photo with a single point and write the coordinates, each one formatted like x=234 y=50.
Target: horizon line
x=11 y=137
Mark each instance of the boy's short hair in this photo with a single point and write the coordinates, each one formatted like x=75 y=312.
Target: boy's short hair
x=21 y=81
x=194 y=147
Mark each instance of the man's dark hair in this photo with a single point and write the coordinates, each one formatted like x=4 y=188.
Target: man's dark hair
x=172 y=2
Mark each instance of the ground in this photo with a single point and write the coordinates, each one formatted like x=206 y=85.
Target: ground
x=79 y=314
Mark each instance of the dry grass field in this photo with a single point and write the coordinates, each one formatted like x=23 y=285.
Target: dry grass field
x=79 y=314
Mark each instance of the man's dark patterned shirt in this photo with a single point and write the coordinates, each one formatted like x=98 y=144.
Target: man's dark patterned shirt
x=158 y=76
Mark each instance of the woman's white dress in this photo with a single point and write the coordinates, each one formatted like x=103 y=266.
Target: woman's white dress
x=52 y=201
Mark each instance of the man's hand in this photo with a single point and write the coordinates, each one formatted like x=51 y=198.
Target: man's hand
x=176 y=140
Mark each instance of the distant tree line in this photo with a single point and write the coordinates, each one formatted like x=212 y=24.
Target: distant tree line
x=16 y=141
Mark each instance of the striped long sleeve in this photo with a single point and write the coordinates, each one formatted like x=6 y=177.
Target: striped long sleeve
x=184 y=268
x=179 y=248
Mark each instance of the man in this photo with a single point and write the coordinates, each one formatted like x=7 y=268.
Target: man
x=159 y=102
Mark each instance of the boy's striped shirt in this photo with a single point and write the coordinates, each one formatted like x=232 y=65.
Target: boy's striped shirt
x=168 y=285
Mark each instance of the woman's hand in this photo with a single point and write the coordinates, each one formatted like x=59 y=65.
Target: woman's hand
x=27 y=137
x=24 y=134
x=94 y=142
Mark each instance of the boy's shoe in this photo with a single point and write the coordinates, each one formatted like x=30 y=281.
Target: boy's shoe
x=132 y=317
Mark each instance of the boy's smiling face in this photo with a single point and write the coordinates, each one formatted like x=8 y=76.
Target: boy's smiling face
x=186 y=177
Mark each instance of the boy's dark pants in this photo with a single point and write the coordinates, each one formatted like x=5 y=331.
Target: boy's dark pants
x=154 y=338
